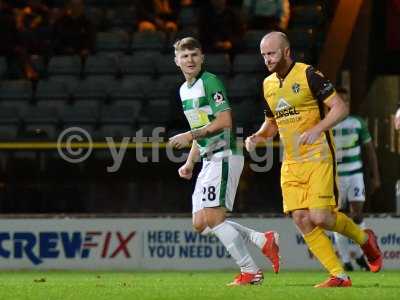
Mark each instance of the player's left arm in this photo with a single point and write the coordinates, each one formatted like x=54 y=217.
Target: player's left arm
x=397 y=118
x=223 y=117
x=221 y=122
x=372 y=160
x=324 y=93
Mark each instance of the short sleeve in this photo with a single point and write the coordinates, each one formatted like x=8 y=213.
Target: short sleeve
x=267 y=111
x=365 y=137
x=320 y=86
x=216 y=95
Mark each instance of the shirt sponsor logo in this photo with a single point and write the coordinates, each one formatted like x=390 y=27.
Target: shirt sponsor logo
x=284 y=109
x=218 y=98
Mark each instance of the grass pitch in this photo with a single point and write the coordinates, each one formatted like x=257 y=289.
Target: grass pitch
x=67 y=285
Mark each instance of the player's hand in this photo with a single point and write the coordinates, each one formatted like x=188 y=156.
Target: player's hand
x=181 y=140
x=252 y=141
x=186 y=171
x=397 y=120
x=309 y=137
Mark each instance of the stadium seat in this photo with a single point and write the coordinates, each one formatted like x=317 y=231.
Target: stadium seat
x=134 y=105
x=115 y=131
x=306 y=15
x=114 y=114
x=51 y=90
x=19 y=106
x=43 y=131
x=41 y=121
x=3 y=67
x=252 y=40
x=58 y=105
x=111 y=41
x=148 y=41
x=248 y=63
x=74 y=114
x=16 y=90
x=9 y=123
x=218 y=64
x=9 y=115
x=96 y=15
x=65 y=65
x=165 y=87
x=41 y=115
x=301 y=38
x=130 y=88
x=246 y=112
x=242 y=87
x=70 y=81
x=303 y=55
x=8 y=132
x=122 y=17
x=92 y=89
x=157 y=112
x=187 y=17
x=138 y=64
x=104 y=64
x=165 y=65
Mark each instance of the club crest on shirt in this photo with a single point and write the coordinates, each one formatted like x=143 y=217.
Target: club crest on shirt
x=218 y=98
x=296 y=88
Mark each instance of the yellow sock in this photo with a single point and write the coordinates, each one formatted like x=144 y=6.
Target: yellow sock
x=321 y=246
x=345 y=225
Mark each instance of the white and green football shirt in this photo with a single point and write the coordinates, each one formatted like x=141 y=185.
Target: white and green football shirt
x=201 y=102
x=350 y=135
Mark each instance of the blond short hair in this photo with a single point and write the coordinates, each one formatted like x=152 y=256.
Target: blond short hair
x=187 y=43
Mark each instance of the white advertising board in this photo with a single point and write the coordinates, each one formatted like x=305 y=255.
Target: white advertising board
x=154 y=244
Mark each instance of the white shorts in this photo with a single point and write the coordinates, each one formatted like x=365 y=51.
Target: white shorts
x=217 y=182
x=351 y=189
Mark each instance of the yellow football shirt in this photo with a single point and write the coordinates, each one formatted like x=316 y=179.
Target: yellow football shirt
x=296 y=102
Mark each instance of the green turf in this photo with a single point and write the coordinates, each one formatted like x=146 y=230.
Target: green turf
x=189 y=285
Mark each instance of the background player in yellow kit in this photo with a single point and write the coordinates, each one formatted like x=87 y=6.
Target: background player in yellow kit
x=297 y=97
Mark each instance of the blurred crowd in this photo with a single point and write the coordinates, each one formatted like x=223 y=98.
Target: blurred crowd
x=32 y=30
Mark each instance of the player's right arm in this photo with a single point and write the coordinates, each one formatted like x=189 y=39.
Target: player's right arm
x=267 y=130
x=186 y=171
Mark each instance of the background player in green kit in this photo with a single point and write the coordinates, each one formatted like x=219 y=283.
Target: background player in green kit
x=207 y=110
x=352 y=138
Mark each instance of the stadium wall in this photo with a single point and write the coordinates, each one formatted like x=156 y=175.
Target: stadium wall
x=153 y=244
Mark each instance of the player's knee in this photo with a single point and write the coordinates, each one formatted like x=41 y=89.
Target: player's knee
x=199 y=226
x=301 y=219
x=319 y=220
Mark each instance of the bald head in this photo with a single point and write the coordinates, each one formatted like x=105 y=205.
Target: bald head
x=277 y=38
x=275 y=49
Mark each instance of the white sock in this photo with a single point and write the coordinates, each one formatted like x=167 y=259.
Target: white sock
x=343 y=247
x=249 y=235
x=206 y=231
x=236 y=247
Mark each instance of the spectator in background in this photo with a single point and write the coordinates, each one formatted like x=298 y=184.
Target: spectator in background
x=352 y=138
x=157 y=15
x=74 y=33
x=267 y=14
x=397 y=118
x=220 y=28
x=11 y=46
x=34 y=31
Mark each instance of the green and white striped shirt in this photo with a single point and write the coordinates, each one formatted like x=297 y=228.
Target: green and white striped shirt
x=350 y=135
x=201 y=102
